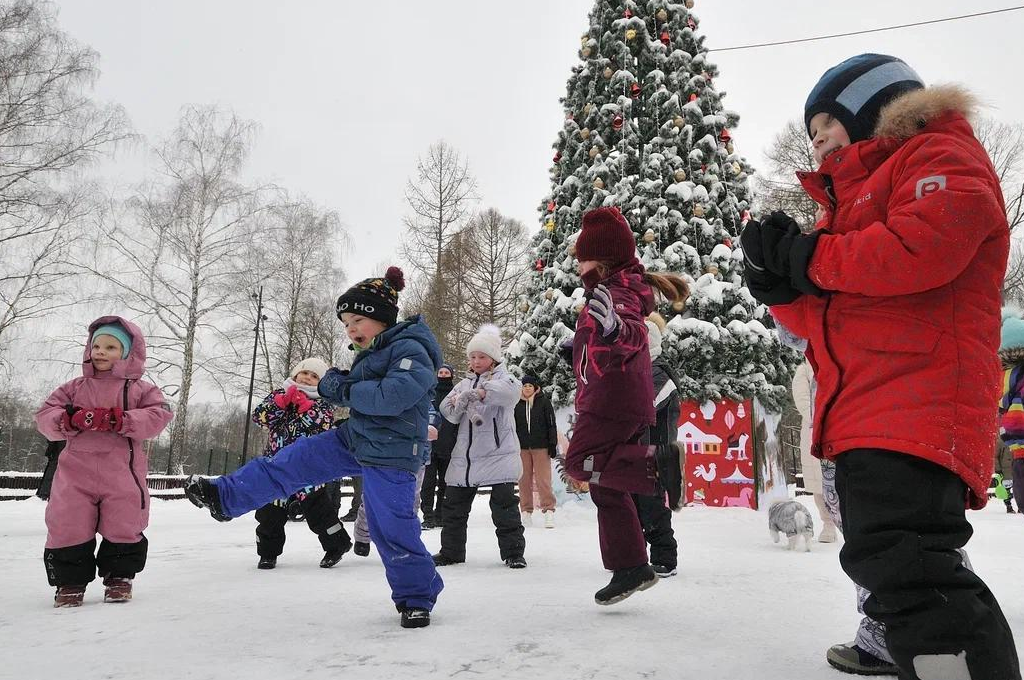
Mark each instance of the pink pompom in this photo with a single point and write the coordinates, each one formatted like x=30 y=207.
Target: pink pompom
x=395 y=277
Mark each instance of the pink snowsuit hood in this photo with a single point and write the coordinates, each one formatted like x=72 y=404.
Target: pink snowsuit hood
x=134 y=366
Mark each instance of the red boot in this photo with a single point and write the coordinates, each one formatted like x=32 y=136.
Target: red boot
x=69 y=596
x=119 y=589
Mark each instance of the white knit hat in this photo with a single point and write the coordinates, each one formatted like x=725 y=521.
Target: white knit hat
x=655 y=323
x=487 y=341
x=313 y=365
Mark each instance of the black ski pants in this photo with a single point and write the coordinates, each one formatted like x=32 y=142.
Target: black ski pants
x=508 y=525
x=433 y=489
x=903 y=521
x=656 y=521
x=76 y=565
x=320 y=508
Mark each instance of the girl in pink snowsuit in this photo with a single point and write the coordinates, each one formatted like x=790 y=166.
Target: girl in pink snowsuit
x=100 y=483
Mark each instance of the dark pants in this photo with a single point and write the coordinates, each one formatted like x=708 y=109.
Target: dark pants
x=656 y=520
x=320 y=508
x=1018 y=481
x=433 y=487
x=76 y=565
x=508 y=525
x=357 y=494
x=608 y=455
x=903 y=521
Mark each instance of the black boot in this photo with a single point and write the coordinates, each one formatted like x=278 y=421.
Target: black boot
x=362 y=549
x=442 y=560
x=625 y=582
x=853 y=659
x=415 y=617
x=267 y=563
x=203 y=494
x=332 y=557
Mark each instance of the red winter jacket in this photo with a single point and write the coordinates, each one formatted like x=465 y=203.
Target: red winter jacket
x=913 y=255
x=613 y=379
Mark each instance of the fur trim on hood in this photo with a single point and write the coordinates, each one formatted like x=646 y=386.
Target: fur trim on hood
x=906 y=115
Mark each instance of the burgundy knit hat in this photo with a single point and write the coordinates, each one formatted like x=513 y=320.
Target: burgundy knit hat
x=606 y=237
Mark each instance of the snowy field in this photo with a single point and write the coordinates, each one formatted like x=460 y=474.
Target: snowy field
x=202 y=610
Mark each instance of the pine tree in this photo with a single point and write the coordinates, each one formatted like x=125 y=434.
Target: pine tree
x=645 y=130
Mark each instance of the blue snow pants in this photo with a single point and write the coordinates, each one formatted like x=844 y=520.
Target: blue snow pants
x=387 y=492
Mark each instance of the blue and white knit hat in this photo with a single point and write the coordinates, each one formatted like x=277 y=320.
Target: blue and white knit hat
x=855 y=91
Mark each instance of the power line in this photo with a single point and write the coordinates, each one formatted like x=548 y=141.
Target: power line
x=870 y=30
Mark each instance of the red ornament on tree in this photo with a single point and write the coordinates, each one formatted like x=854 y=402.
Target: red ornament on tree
x=539 y=266
x=744 y=216
x=551 y=206
x=666 y=38
x=634 y=90
x=691 y=23
x=628 y=13
x=728 y=243
x=693 y=97
x=617 y=122
x=558 y=156
x=725 y=136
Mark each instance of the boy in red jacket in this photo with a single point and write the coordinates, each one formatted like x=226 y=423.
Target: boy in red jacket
x=898 y=295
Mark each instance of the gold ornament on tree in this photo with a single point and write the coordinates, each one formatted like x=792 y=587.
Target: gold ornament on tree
x=679 y=122
x=549 y=294
x=608 y=72
x=678 y=306
x=689 y=4
x=585 y=51
x=649 y=236
x=550 y=225
x=737 y=168
x=680 y=175
x=729 y=148
x=698 y=210
x=524 y=306
x=584 y=133
x=712 y=269
x=594 y=151
x=662 y=14
x=586 y=109
x=630 y=34
x=599 y=183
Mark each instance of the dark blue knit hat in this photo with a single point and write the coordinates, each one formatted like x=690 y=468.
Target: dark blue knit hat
x=855 y=91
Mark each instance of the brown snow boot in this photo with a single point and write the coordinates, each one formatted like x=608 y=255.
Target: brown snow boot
x=119 y=589
x=69 y=596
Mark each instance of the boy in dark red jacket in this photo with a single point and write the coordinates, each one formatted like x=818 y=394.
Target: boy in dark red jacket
x=898 y=295
x=615 y=395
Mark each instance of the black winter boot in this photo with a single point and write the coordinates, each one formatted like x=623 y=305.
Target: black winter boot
x=625 y=582
x=442 y=560
x=203 y=494
x=332 y=557
x=853 y=659
x=267 y=563
x=362 y=549
x=415 y=617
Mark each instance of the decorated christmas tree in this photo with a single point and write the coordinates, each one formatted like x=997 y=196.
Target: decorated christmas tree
x=645 y=130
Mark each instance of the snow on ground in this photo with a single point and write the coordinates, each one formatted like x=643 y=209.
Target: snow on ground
x=202 y=610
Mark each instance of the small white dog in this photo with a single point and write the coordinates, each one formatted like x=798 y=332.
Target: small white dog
x=793 y=519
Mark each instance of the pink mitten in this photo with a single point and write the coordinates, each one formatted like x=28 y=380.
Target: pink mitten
x=303 y=403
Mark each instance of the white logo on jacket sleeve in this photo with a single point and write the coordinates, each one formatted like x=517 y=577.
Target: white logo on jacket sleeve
x=929 y=185
x=405 y=364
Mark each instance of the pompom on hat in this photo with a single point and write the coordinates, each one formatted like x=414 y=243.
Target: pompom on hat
x=375 y=298
x=486 y=341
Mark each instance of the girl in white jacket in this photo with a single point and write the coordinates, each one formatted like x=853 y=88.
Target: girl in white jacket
x=486 y=453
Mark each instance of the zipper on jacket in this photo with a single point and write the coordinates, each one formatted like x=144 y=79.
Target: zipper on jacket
x=830 y=190
x=131 y=453
x=496 y=442
x=583 y=365
x=469 y=444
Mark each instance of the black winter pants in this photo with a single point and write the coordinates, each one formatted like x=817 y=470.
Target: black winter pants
x=508 y=525
x=433 y=487
x=903 y=521
x=76 y=565
x=656 y=520
x=320 y=508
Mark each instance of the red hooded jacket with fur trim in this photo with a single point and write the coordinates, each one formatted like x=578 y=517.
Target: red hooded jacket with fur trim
x=912 y=254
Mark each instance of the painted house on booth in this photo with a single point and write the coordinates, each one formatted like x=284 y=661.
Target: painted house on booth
x=698 y=442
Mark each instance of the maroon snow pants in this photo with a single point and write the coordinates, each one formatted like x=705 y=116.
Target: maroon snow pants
x=605 y=454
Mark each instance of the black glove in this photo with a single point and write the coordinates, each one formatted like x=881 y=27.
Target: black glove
x=767 y=287
x=787 y=251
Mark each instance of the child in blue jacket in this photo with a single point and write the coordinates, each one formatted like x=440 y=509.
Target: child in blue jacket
x=388 y=392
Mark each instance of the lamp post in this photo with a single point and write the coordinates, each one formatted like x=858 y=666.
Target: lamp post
x=252 y=375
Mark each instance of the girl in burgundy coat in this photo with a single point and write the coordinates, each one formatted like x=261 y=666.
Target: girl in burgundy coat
x=100 y=483
x=615 y=394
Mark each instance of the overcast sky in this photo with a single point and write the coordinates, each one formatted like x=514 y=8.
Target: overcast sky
x=349 y=94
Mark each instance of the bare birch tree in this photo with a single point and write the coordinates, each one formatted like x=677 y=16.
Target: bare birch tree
x=1005 y=145
x=179 y=252
x=49 y=128
x=498 y=261
x=777 y=187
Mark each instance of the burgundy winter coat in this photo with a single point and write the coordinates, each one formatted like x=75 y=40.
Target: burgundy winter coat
x=100 y=483
x=913 y=255
x=613 y=378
